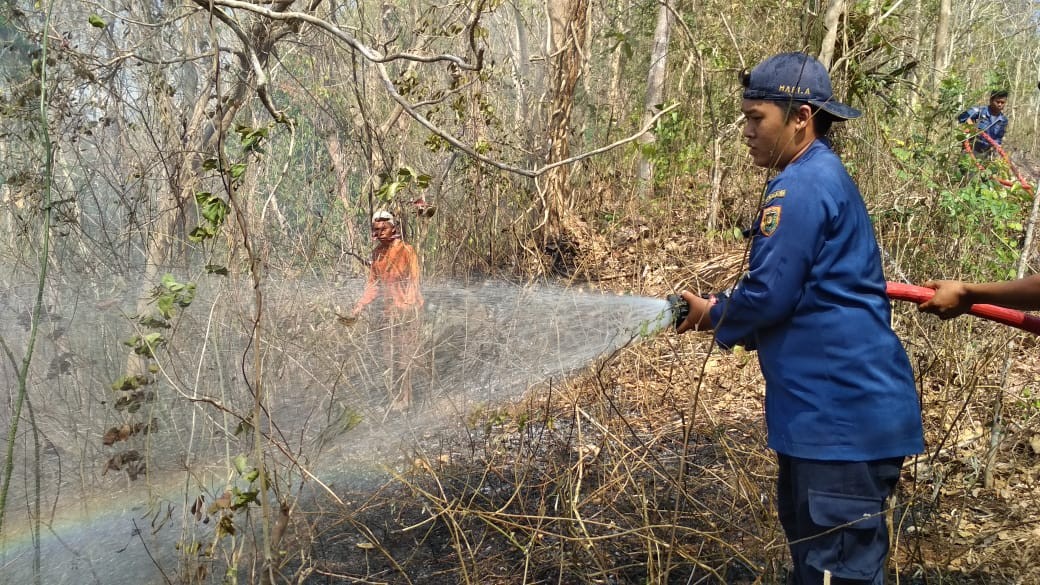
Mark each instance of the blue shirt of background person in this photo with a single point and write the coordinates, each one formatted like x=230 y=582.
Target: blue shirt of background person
x=989 y=119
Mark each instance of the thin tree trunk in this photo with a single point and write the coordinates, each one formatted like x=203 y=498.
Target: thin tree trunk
x=942 y=43
x=655 y=81
x=617 y=67
x=343 y=192
x=714 y=200
x=831 y=20
x=1027 y=244
x=521 y=83
x=913 y=53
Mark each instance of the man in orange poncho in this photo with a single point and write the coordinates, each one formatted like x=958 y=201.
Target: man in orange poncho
x=394 y=276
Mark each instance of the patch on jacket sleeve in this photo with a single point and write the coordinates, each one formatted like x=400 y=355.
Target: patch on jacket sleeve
x=778 y=194
x=770 y=220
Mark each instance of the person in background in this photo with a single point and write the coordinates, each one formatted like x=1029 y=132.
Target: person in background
x=394 y=278
x=989 y=120
x=954 y=297
x=842 y=410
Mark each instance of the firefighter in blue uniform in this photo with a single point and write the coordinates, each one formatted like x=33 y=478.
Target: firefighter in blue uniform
x=842 y=410
x=989 y=120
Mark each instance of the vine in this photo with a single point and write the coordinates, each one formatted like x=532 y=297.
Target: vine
x=22 y=398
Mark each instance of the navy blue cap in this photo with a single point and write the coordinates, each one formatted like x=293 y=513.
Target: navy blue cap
x=795 y=77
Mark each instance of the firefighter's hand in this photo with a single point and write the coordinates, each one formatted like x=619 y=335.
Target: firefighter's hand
x=698 y=319
x=951 y=299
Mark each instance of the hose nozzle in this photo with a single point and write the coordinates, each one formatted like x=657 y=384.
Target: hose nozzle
x=679 y=308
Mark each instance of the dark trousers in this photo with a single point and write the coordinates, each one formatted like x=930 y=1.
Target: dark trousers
x=833 y=513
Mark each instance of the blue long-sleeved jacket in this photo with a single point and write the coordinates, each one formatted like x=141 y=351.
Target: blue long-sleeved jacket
x=839 y=385
x=985 y=121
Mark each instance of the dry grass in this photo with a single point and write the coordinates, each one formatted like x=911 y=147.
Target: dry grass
x=651 y=468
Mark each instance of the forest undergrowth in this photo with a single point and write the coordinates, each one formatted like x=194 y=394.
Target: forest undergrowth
x=651 y=466
x=638 y=473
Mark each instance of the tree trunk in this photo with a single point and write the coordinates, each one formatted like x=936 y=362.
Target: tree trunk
x=340 y=167
x=564 y=56
x=655 y=81
x=831 y=20
x=715 y=199
x=942 y=43
x=571 y=246
x=617 y=67
x=521 y=82
x=198 y=136
x=913 y=53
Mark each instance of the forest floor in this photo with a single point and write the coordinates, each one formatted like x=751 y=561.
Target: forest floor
x=651 y=467
x=562 y=498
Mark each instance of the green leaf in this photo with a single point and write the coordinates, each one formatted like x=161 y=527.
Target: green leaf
x=200 y=233
x=153 y=322
x=216 y=269
x=165 y=306
x=390 y=189
x=146 y=346
x=237 y=170
x=96 y=21
x=128 y=383
x=241 y=463
x=243 y=499
x=168 y=281
x=251 y=138
x=902 y=154
x=185 y=299
x=214 y=209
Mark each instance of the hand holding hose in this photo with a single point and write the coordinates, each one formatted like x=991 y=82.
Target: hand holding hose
x=697 y=317
x=1023 y=293
x=951 y=299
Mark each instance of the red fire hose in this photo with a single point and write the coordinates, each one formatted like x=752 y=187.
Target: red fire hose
x=920 y=294
x=993 y=144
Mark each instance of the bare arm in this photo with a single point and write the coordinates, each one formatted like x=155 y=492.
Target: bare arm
x=953 y=297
